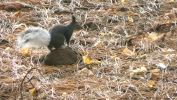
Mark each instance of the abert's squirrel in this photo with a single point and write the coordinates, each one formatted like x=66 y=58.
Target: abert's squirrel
x=35 y=36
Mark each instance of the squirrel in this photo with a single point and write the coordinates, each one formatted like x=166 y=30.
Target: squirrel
x=36 y=36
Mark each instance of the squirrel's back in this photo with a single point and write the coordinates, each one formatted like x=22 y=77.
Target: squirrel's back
x=34 y=37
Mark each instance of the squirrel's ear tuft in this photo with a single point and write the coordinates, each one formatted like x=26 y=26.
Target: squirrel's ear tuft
x=73 y=18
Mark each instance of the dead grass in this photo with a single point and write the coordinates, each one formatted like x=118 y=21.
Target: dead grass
x=118 y=26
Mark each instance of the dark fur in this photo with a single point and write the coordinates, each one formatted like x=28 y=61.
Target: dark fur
x=61 y=32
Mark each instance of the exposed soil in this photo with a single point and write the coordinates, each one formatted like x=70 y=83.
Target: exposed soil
x=133 y=44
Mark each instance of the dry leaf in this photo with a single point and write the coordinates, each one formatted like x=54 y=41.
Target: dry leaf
x=151 y=83
x=168 y=21
x=114 y=11
x=154 y=76
x=102 y=33
x=131 y=12
x=111 y=32
x=24 y=51
x=128 y=51
x=155 y=71
x=140 y=70
x=87 y=60
x=95 y=61
x=123 y=1
x=9 y=48
x=20 y=26
x=169 y=34
x=130 y=19
x=16 y=14
x=142 y=36
x=132 y=73
x=143 y=12
x=31 y=91
x=85 y=71
x=64 y=94
x=113 y=57
x=152 y=36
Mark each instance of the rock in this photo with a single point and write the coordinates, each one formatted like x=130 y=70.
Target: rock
x=64 y=56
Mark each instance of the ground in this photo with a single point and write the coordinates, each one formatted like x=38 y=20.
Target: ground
x=127 y=48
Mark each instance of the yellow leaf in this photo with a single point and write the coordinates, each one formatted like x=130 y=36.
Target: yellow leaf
x=151 y=83
x=102 y=33
x=122 y=1
x=130 y=19
x=87 y=60
x=128 y=51
x=24 y=51
x=150 y=38
x=31 y=91
x=132 y=73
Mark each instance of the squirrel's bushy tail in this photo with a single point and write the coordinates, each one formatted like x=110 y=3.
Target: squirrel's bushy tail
x=33 y=37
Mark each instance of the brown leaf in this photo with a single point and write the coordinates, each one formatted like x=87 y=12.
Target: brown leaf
x=151 y=83
x=154 y=76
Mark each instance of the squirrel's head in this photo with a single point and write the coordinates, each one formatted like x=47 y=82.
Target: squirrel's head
x=77 y=25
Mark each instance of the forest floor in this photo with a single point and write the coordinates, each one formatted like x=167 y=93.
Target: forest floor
x=128 y=49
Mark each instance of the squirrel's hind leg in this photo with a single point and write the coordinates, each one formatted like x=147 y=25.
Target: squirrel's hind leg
x=57 y=41
x=50 y=47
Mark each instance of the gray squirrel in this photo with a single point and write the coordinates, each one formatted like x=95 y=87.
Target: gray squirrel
x=36 y=36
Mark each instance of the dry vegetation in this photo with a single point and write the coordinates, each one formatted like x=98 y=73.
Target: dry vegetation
x=133 y=45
